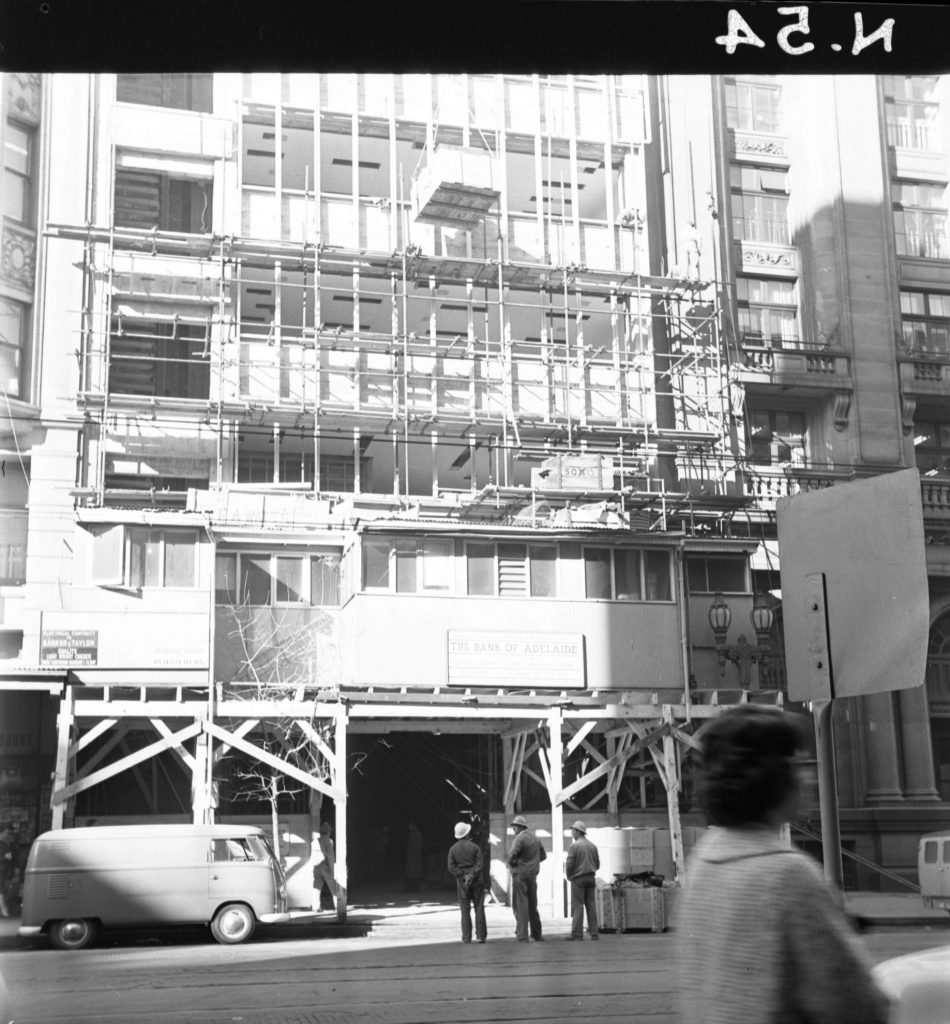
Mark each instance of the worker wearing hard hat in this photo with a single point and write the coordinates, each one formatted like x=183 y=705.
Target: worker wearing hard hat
x=580 y=867
x=465 y=864
x=524 y=862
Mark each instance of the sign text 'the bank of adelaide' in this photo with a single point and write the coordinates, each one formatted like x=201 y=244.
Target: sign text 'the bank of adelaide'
x=519 y=660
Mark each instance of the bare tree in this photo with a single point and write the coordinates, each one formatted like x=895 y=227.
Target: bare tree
x=276 y=655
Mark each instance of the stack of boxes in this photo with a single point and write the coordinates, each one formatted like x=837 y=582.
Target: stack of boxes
x=626 y=905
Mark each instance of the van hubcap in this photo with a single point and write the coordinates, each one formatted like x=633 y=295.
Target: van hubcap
x=73 y=931
x=233 y=923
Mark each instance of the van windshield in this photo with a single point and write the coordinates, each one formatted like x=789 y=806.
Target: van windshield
x=264 y=851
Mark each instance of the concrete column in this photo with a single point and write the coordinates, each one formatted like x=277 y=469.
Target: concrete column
x=883 y=750
x=919 y=780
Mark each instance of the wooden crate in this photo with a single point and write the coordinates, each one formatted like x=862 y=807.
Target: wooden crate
x=671 y=893
x=608 y=909
x=641 y=908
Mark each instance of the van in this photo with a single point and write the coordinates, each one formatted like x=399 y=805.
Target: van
x=933 y=869
x=82 y=879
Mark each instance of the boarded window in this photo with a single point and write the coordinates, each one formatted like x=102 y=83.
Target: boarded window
x=480 y=559
x=108 y=546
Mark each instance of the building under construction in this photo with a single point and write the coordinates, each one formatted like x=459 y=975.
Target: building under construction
x=387 y=439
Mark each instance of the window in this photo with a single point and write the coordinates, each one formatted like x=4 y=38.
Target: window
x=753 y=106
x=507 y=570
x=154 y=199
x=625 y=574
x=715 y=573
x=142 y=556
x=925 y=322
x=776 y=437
x=932 y=446
x=14 y=326
x=262 y=579
x=159 y=358
x=768 y=312
x=413 y=564
x=912 y=111
x=19 y=141
x=181 y=92
x=930 y=851
x=233 y=849
x=337 y=472
x=920 y=219
x=760 y=204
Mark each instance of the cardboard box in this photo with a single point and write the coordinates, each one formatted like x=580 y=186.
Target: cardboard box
x=642 y=908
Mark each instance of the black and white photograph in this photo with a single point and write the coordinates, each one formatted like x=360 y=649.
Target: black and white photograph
x=474 y=475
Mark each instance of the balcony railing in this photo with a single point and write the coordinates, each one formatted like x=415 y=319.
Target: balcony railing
x=796 y=358
x=767 y=484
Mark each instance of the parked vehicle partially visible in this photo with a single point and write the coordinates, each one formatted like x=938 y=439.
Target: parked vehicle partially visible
x=919 y=984
x=80 y=880
x=933 y=869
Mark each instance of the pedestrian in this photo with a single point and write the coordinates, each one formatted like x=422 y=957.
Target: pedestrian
x=324 y=865
x=524 y=863
x=414 y=869
x=465 y=863
x=760 y=937
x=580 y=868
x=8 y=855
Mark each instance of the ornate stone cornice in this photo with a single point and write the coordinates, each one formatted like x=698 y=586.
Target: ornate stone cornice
x=18 y=259
x=767 y=256
x=756 y=145
x=842 y=409
x=908 y=408
x=23 y=97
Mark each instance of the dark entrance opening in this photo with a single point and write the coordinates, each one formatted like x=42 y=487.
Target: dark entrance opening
x=433 y=780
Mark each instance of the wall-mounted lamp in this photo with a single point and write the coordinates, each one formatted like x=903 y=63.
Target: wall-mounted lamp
x=742 y=654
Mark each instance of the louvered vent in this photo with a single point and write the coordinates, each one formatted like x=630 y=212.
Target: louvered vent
x=57 y=887
x=512 y=569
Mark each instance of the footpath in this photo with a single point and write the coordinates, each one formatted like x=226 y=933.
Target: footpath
x=437 y=918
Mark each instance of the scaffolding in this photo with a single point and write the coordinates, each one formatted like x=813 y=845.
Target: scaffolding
x=391 y=373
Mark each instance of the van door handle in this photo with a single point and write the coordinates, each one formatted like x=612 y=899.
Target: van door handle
x=214 y=878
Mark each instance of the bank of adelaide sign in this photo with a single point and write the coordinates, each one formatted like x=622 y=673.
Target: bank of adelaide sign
x=516 y=660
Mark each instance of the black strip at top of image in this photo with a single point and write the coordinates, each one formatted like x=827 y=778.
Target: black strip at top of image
x=444 y=36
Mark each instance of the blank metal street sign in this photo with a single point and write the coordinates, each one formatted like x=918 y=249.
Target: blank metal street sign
x=858 y=549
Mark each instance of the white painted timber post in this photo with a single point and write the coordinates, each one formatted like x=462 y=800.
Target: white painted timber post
x=62 y=809
x=557 y=814
x=672 y=780
x=339 y=784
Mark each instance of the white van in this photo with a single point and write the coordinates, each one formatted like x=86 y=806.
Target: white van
x=80 y=879
x=933 y=869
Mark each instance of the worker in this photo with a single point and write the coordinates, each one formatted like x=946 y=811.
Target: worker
x=580 y=867
x=324 y=862
x=524 y=863
x=465 y=865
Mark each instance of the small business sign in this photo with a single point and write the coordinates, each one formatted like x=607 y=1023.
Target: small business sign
x=69 y=647
x=516 y=660
x=574 y=473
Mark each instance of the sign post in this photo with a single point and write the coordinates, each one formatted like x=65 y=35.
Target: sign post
x=855 y=607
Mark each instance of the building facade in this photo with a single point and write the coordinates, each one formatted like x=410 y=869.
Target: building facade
x=403 y=461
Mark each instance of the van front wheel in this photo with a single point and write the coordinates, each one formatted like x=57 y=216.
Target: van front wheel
x=73 y=933
x=233 y=923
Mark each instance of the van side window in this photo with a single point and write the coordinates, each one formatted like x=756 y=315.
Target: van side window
x=231 y=849
x=946 y=851
x=930 y=852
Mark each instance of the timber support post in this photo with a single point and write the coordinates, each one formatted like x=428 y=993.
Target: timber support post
x=339 y=784
x=62 y=811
